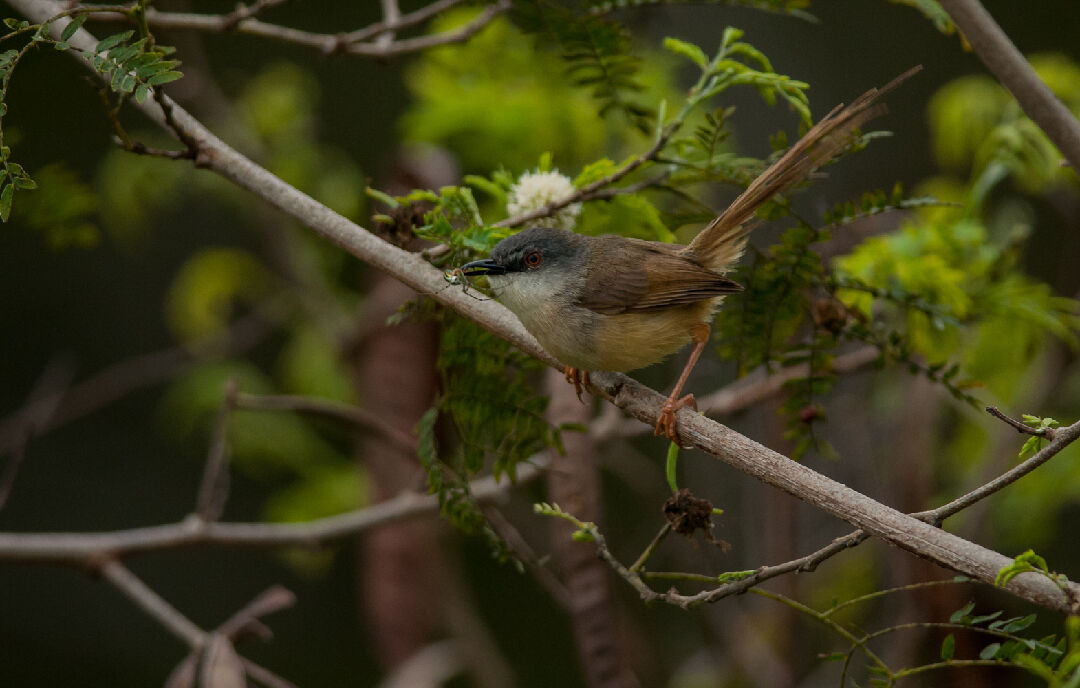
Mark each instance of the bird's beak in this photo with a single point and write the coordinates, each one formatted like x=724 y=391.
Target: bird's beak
x=482 y=267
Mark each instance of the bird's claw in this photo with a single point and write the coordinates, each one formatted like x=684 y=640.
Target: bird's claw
x=578 y=378
x=666 y=423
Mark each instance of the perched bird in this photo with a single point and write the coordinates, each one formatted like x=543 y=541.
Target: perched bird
x=618 y=304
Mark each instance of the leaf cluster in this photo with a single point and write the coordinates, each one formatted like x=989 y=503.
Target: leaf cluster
x=128 y=68
x=597 y=52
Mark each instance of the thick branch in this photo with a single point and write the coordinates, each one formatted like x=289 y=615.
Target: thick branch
x=1006 y=62
x=737 y=396
x=643 y=403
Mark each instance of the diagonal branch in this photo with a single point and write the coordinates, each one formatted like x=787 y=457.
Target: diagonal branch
x=641 y=402
x=159 y=609
x=1006 y=62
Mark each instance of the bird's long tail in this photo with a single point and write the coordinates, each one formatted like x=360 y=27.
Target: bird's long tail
x=721 y=243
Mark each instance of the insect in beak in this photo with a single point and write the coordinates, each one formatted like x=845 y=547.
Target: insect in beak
x=482 y=267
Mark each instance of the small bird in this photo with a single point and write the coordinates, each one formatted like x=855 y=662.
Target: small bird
x=618 y=304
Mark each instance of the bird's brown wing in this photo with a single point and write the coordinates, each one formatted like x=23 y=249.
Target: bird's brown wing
x=626 y=275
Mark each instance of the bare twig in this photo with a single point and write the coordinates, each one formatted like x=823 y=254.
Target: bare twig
x=230 y=20
x=391 y=16
x=247 y=619
x=153 y=604
x=403 y=21
x=136 y=373
x=36 y=413
x=1006 y=62
x=83 y=548
x=347 y=413
x=244 y=21
x=214 y=489
x=1063 y=437
x=1048 y=433
x=521 y=548
x=142 y=149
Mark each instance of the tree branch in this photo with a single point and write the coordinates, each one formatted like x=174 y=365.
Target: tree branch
x=214 y=490
x=354 y=415
x=643 y=403
x=1006 y=63
x=736 y=396
x=153 y=604
x=86 y=548
x=356 y=42
x=1047 y=433
x=137 y=372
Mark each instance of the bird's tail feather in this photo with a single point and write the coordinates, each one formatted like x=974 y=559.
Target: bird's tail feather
x=721 y=243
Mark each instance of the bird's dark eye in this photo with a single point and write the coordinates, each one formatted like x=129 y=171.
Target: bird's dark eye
x=532 y=259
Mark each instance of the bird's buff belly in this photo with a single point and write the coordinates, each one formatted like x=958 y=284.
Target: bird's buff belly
x=619 y=342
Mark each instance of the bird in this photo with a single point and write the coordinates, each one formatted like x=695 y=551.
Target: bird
x=613 y=303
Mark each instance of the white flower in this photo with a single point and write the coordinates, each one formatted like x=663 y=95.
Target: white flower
x=537 y=189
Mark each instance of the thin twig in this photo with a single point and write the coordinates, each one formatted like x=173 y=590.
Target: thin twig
x=391 y=16
x=354 y=415
x=230 y=20
x=521 y=548
x=1063 y=437
x=139 y=148
x=1014 y=72
x=214 y=489
x=403 y=22
x=141 y=371
x=1023 y=429
x=352 y=43
x=38 y=410
x=153 y=604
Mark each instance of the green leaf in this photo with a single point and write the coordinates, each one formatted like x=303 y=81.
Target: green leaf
x=5 y=201
x=113 y=40
x=990 y=651
x=670 y=466
x=164 y=78
x=687 y=50
x=948 y=647
x=148 y=70
x=72 y=27
x=141 y=93
x=1019 y=625
x=961 y=613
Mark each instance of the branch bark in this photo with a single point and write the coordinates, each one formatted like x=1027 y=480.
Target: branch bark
x=1014 y=72
x=639 y=401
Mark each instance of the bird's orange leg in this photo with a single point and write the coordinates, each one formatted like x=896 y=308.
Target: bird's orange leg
x=578 y=378
x=666 y=422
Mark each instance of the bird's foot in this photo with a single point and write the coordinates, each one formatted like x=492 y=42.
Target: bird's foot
x=666 y=423
x=578 y=378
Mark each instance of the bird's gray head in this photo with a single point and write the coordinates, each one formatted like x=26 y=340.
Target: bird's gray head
x=533 y=265
x=531 y=250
